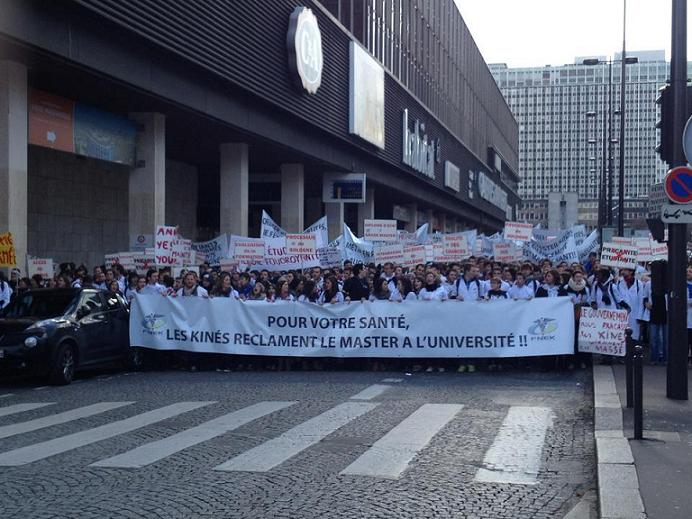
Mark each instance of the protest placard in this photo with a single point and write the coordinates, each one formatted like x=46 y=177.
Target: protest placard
x=301 y=244
x=506 y=252
x=602 y=331
x=518 y=231
x=380 y=230
x=456 y=246
x=248 y=251
x=659 y=251
x=414 y=255
x=618 y=256
x=620 y=240
x=164 y=241
x=228 y=265
x=389 y=254
x=8 y=257
x=41 y=266
x=210 y=251
x=643 y=246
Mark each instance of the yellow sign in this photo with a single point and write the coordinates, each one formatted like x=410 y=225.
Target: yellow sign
x=7 y=254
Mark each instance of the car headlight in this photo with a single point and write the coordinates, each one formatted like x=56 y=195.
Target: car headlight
x=35 y=335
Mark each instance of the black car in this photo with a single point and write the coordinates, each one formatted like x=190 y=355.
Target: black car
x=53 y=332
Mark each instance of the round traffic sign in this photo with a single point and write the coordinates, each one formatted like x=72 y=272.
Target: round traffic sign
x=678 y=185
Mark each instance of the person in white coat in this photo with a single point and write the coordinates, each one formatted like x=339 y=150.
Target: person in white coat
x=604 y=293
x=632 y=292
x=5 y=291
x=432 y=291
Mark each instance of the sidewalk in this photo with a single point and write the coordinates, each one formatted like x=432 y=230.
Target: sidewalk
x=663 y=460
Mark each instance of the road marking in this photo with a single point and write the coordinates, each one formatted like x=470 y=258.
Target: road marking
x=274 y=452
x=42 y=450
x=393 y=380
x=20 y=408
x=515 y=455
x=157 y=450
x=74 y=414
x=40 y=388
x=371 y=392
x=390 y=455
x=7 y=395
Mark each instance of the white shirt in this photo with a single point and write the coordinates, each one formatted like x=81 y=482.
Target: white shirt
x=634 y=297
x=439 y=294
x=198 y=291
x=411 y=296
x=339 y=298
x=451 y=289
x=522 y=292
x=470 y=291
x=5 y=294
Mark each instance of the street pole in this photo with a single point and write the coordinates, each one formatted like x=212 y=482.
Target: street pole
x=621 y=173
x=610 y=144
x=602 y=206
x=676 y=386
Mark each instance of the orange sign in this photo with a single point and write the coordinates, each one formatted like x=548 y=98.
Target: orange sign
x=51 y=120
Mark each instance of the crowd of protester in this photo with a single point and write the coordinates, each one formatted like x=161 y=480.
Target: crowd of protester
x=476 y=279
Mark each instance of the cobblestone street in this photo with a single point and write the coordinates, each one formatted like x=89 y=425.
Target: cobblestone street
x=297 y=444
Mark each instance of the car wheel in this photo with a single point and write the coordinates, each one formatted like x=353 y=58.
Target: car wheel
x=135 y=359
x=63 y=368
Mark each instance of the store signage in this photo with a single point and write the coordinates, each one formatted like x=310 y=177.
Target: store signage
x=366 y=96
x=419 y=152
x=304 y=40
x=343 y=187
x=491 y=192
x=452 y=176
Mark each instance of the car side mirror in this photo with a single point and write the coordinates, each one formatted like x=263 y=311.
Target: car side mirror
x=83 y=312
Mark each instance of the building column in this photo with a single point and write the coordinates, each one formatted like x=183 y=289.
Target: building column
x=292 y=197
x=366 y=211
x=431 y=220
x=442 y=219
x=234 y=187
x=147 y=182
x=313 y=209
x=14 y=157
x=412 y=224
x=335 y=219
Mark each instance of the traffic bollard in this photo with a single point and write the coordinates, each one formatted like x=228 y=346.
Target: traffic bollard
x=629 y=351
x=638 y=392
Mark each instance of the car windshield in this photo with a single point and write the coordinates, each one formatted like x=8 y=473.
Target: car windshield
x=42 y=305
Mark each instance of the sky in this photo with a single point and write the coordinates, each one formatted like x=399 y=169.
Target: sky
x=526 y=33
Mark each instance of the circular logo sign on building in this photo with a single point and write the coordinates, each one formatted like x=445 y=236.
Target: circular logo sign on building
x=305 y=60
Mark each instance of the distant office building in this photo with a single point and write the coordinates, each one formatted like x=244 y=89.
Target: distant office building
x=561 y=148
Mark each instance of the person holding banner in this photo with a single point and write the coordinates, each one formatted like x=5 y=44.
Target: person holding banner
x=152 y=287
x=404 y=291
x=469 y=287
x=223 y=287
x=356 y=287
x=432 y=291
x=330 y=293
x=191 y=288
x=551 y=285
x=520 y=290
x=604 y=293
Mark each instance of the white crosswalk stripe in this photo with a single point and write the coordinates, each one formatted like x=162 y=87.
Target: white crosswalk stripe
x=272 y=453
x=155 y=451
x=47 y=421
x=20 y=408
x=39 y=451
x=371 y=392
x=515 y=455
x=390 y=455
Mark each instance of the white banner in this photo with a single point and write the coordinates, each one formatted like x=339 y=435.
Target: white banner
x=214 y=250
x=562 y=248
x=603 y=331
x=506 y=253
x=518 y=231
x=456 y=246
x=380 y=230
x=270 y=229
x=301 y=244
x=414 y=255
x=247 y=251
x=356 y=250
x=619 y=256
x=588 y=245
x=277 y=257
x=380 y=329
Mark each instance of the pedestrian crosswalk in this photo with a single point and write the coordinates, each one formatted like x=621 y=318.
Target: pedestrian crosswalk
x=514 y=456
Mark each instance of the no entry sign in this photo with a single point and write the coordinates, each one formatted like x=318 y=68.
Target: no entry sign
x=678 y=185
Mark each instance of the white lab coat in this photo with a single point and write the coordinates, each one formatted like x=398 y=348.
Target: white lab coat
x=634 y=297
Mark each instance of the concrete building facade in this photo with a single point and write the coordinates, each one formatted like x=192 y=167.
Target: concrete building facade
x=203 y=116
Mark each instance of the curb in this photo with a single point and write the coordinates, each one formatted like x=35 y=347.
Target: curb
x=618 y=484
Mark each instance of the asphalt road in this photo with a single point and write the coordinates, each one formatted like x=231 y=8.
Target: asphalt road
x=297 y=444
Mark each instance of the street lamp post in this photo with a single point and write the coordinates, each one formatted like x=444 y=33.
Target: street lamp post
x=621 y=177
